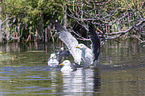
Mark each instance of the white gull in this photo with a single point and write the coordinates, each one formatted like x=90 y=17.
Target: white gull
x=52 y=61
x=80 y=51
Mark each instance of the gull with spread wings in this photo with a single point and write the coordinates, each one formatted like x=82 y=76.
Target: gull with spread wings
x=70 y=41
x=80 y=52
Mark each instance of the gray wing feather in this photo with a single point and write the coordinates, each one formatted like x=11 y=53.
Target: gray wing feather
x=70 y=41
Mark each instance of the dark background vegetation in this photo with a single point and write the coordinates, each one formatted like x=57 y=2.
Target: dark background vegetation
x=33 y=20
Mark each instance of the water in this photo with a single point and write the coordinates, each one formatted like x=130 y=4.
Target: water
x=120 y=72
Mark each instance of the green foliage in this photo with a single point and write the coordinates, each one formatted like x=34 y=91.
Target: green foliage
x=30 y=18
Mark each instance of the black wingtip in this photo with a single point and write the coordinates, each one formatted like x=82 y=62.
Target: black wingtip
x=91 y=29
x=58 y=26
x=95 y=41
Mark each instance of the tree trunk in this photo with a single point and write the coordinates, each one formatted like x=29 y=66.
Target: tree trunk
x=7 y=29
x=46 y=35
x=65 y=15
x=1 y=39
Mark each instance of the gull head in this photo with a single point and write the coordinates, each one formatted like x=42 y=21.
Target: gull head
x=81 y=46
x=66 y=63
x=53 y=55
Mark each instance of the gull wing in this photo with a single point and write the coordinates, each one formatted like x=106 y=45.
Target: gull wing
x=70 y=41
x=95 y=41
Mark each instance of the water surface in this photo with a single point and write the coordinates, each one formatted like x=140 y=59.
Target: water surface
x=120 y=72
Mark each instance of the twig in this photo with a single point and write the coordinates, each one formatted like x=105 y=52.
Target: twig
x=141 y=41
x=120 y=32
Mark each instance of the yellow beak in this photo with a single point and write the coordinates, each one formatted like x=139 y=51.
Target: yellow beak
x=77 y=47
x=1 y=52
x=61 y=64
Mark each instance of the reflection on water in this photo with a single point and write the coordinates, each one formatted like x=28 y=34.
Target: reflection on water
x=120 y=71
x=82 y=82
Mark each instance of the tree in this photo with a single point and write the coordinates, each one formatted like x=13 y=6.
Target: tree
x=0 y=26
x=32 y=20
